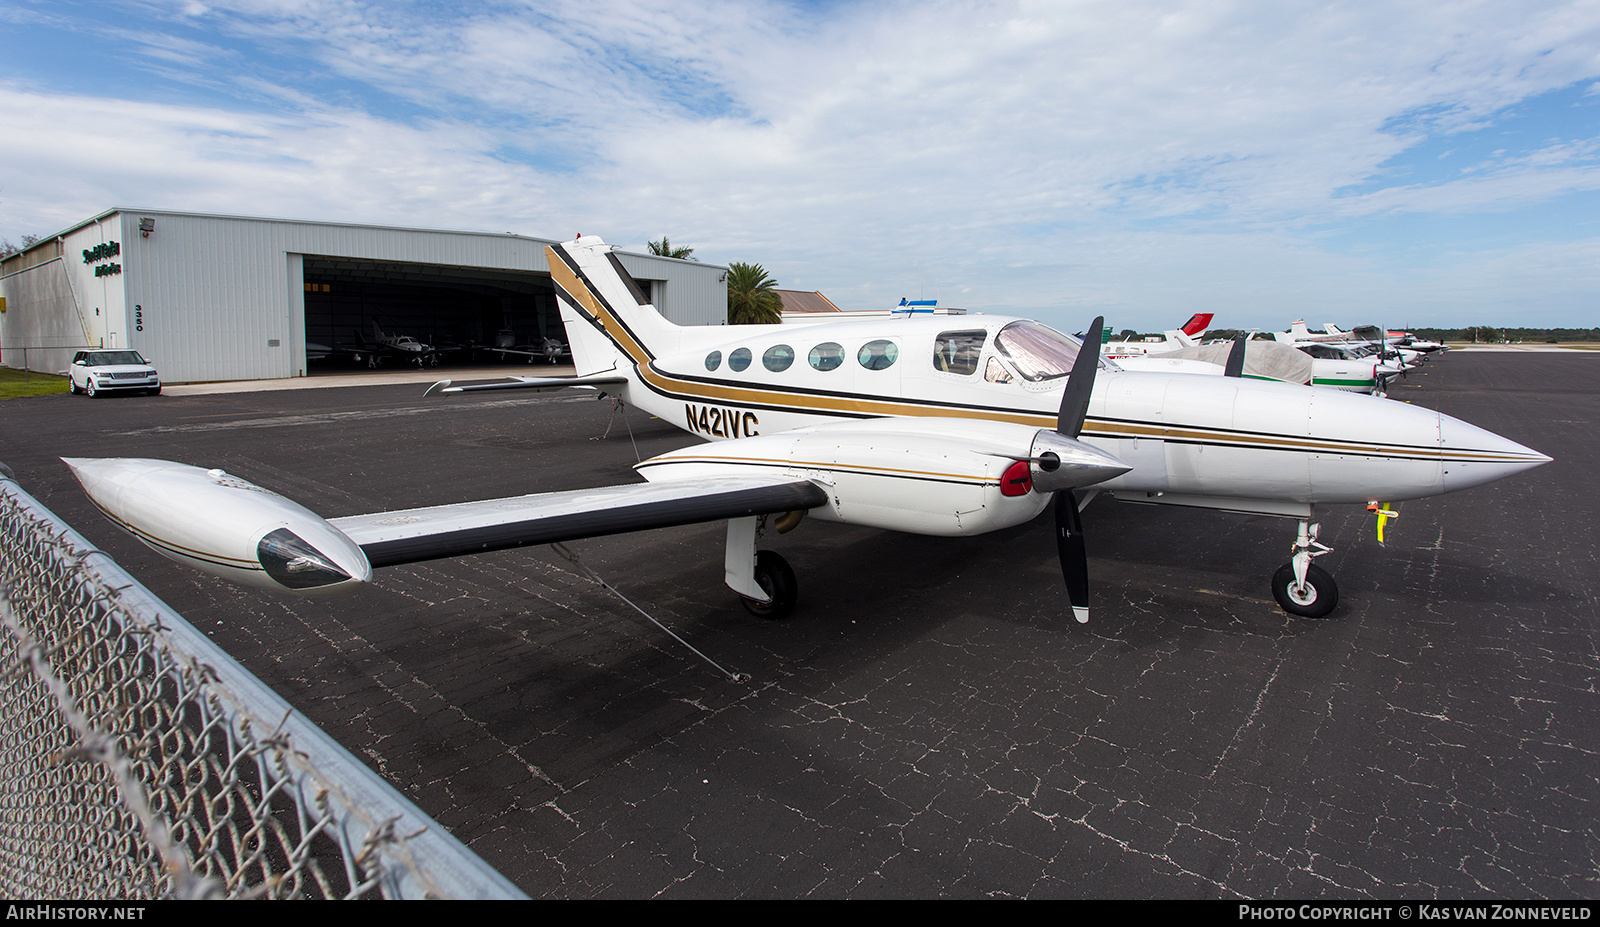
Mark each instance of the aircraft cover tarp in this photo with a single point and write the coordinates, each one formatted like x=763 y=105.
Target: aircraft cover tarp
x=1268 y=360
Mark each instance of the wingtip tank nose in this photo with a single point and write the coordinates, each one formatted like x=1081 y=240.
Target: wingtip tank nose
x=81 y=465
x=223 y=525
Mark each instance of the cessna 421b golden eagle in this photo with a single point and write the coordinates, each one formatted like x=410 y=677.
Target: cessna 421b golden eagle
x=935 y=425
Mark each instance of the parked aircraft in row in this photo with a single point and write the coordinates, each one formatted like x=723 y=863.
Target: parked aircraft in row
x=1186 y=336
x=1307 y=362
x=945 y=426
x=1405 y=341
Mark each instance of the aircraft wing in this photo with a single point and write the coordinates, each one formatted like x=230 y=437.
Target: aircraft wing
x=412 y=535
x=524 y=350
x=229 y=527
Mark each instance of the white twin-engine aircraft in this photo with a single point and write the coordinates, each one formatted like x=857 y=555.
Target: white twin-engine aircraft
x=937 y=425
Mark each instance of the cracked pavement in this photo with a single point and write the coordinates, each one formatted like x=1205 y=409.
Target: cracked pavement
x=931 y=722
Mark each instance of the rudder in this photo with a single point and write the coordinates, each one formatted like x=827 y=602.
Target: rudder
x=610 y=324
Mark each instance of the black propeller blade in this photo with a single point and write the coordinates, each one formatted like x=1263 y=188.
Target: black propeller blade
x=1069 y=422
x=1074 y=558
x=1080 y=383
x=1235 y=365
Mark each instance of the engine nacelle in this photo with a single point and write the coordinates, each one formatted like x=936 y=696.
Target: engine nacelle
x=933 y=476
x=223 y=525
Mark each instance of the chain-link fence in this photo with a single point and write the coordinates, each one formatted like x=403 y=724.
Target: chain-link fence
x=137 y=760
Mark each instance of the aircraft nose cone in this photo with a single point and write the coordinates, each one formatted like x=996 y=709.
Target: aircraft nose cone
x=1474 y=456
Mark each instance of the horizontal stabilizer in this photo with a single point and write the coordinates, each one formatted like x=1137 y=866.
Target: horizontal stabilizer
x=391 y=538
x=595 y=379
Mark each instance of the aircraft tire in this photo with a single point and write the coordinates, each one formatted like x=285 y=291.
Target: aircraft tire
x=1318 y=598
x=775 y=577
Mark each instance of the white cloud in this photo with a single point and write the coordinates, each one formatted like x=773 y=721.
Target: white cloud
x=1129 y=155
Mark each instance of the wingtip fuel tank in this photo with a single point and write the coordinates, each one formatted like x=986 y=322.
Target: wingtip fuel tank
x=223 y=525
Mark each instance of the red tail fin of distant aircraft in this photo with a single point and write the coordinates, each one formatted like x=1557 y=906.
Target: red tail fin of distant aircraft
x=1197 y=324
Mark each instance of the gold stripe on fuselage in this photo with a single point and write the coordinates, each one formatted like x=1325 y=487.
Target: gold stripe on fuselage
x=863 y=469
x=806 y=404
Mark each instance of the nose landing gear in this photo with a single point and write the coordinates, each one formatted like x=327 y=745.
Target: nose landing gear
x=1300 y=586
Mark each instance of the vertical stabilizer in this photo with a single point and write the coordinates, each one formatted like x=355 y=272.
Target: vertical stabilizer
x=609 y=322
x=1188 y=336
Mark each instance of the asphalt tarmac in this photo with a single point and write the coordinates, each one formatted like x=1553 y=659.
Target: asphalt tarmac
x=931 y=722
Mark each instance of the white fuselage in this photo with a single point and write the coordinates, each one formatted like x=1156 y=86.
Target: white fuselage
x=1183 y=434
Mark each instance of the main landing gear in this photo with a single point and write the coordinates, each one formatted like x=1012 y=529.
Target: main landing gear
x=764 y=580
x=776 y=579
x=1300 y=586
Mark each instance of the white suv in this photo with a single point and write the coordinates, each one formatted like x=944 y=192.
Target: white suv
x=96 y=372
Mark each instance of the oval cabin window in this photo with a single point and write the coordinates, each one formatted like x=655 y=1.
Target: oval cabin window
x=878 y=355
x=827 y=356
x=778 y=358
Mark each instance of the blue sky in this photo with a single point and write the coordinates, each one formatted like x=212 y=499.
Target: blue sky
x=1420 y=163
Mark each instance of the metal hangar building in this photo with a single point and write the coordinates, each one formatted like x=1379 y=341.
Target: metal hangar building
x=210 y=297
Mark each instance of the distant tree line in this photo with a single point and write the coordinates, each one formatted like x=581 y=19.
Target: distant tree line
x=1486 y=333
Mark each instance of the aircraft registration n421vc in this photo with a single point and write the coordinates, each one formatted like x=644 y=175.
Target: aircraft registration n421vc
x=946 y=426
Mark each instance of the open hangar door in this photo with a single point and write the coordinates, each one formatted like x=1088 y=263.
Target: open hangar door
x=462 y=312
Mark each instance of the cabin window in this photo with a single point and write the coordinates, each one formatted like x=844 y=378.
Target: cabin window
x=957 y=352
x=878 y=355
x=827 y=356
x=996 y=372
x=1038 y=352
x=739 y=359
x=778 y=358
x=713 y=360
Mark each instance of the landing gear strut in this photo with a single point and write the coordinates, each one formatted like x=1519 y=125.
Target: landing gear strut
x=763 y=579
x=1300 y=586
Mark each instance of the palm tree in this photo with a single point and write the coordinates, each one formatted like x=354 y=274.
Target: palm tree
x=665 y=249
x=752 y=296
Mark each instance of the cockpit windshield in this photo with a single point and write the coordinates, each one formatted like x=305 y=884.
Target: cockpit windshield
x=1038 y=352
